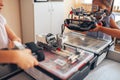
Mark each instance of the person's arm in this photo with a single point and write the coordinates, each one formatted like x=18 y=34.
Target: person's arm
x=22 y=58
x=11 y=35
x=7 y=56
x=113 y=24
x=109 y=31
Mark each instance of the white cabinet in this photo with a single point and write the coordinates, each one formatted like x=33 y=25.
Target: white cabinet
x=40 y=18
x=57 y=16
x=49 y=16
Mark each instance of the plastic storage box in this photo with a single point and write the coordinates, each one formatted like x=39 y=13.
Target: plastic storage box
x=99 y=47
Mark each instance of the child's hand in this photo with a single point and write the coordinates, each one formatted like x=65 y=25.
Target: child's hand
x=98 y=26
x=24 y=59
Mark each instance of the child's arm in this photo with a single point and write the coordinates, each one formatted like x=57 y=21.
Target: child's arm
x=22 y=58
x=109 y=31
x=113 y=24
x=11 y=35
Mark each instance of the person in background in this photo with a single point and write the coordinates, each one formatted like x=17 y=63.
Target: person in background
x=108 y=20
x=113 y=30
x=22 y=58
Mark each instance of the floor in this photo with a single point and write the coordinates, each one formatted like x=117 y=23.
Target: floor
x=107 y=70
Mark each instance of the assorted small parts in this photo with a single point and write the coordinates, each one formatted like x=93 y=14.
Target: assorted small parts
x=76 y=56
x=49 y=41
x=60 y=62
x=72 y=59
x=33 y=47
x=78 y=11
x=70 y=56
x=81 y=20
x=52 y=40
x=53 y=46
x=37 y=50
x=63 y=53
x=79 y=25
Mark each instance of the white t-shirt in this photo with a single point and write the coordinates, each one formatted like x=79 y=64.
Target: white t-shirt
x=3 y=34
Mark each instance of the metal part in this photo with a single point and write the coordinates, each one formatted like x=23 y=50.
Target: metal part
x=81 y=20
